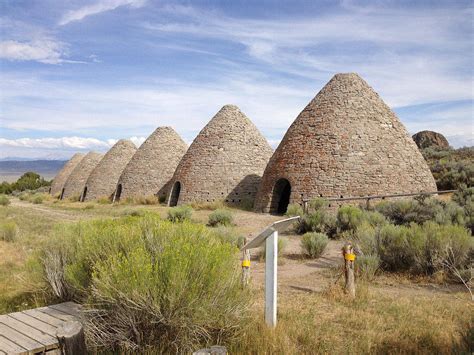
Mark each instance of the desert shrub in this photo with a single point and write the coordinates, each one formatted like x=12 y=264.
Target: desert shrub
x=423 y=249
x=37 y=199
x=209 y=206
x=8 y=231
x=366 y=266
x=229 y=235
x=365 y=237
x=24 y=196
x=282 y=243
x=4 y=200
x=74 y=198
x=153 y=285
x=348 y=218
x=220 y=217
x=464 y=197
x=89 y=207
x=180 y=213
x=421 y=210
x=314 y=244
x=318 y=219
x=133 y=212
x=103 y=201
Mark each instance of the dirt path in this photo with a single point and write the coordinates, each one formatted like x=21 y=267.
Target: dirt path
x=47 y=211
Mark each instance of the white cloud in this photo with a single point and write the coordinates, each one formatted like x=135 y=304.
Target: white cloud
x=44 y=51
x=97 y=8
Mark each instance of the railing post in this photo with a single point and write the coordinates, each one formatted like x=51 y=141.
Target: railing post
x=271 y=261
x=349 y=258
x=245 y=266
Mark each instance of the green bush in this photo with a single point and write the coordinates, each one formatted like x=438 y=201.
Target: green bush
x=180 y=213
x=220 y=217
x=423 y=249
x=4 y=200
x=314 y=244
x=37 y=199
x=348 y=218
x=133 y=212
x=229 y=235
x=366 y=266
x=8 y=231
x=24 y=196
x=153 y=285
x=421 y=210
x=464 y=197
x=319 y=219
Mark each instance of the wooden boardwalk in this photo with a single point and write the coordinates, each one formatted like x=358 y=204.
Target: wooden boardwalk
x=34 y=330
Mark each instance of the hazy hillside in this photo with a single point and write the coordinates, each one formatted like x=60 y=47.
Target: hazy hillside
x=11 y=170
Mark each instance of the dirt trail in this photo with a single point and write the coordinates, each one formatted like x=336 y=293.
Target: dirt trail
x=63 y=215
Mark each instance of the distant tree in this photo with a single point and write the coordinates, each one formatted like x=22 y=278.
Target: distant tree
x=30 y=181
x=6 y=188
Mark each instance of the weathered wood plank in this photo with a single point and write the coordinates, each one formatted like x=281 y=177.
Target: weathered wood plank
x=43 y=317
x=47 y=340
x=9 y=347
x=20 y=339
x=57 y=314
x=35 y=323
x=68 y=307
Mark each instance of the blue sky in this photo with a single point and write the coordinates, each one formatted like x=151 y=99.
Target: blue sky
x=78 y=75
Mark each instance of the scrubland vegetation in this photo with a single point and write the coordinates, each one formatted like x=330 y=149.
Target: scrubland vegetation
x=28 y=181
x=163 y=284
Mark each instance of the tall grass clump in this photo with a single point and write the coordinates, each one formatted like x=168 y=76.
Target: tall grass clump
x=180 y=213
x=4 y=200
x=8 y=231
x=318 y=219
x=229 y=235
x=151 y=285
x=220 y=217
x=314 y=244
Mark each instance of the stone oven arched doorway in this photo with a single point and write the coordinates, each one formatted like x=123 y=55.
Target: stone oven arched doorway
x=175 y=191
x=62 y=194
x=281 y=196
x=118 y=192
x=84 y=193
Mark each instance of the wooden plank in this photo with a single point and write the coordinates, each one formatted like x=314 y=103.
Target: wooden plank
x=68 y=307
x=9 y=347
x=20 y=339
x=35 y=323
x=47 y=340
x=44 y=317
x=57 y=314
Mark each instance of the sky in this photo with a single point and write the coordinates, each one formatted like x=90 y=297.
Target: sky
x=79 y=75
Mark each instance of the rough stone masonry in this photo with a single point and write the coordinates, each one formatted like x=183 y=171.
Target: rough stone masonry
x=346 y=142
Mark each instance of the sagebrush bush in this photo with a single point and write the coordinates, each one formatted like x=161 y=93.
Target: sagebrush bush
x=421 y=210
x=4 y=200
x=180 y=213
x=103 y=201
x=152 y=285
x=23 y=196
x=464 y=197
x=314 y=244
x=220 y=217
x=229 y=235
x=8 y=231
x=423 y=249
x=318 y=219
x=282 y=243
x=133 y=212
x=348 y=218
x=37 y=198
x=366 y=266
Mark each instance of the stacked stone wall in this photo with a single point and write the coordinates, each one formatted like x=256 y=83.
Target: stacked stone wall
x=60 y=179
x=225 y=162
x=103 y=179
x=346 y=142
x=76 y=181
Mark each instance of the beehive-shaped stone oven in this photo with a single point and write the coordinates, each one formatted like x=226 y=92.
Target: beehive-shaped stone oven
x=75 y=182
x=152 y=166
x=60 y=179
x=345 y=143
x=102 y=181
x=224 y=162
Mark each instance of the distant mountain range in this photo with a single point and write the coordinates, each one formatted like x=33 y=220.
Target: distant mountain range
x=11 y=170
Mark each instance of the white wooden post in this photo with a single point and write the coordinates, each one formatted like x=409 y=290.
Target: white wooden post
x=271 y=264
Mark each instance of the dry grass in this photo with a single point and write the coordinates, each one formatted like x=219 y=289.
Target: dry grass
x=376 y=323
x=391 y=314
